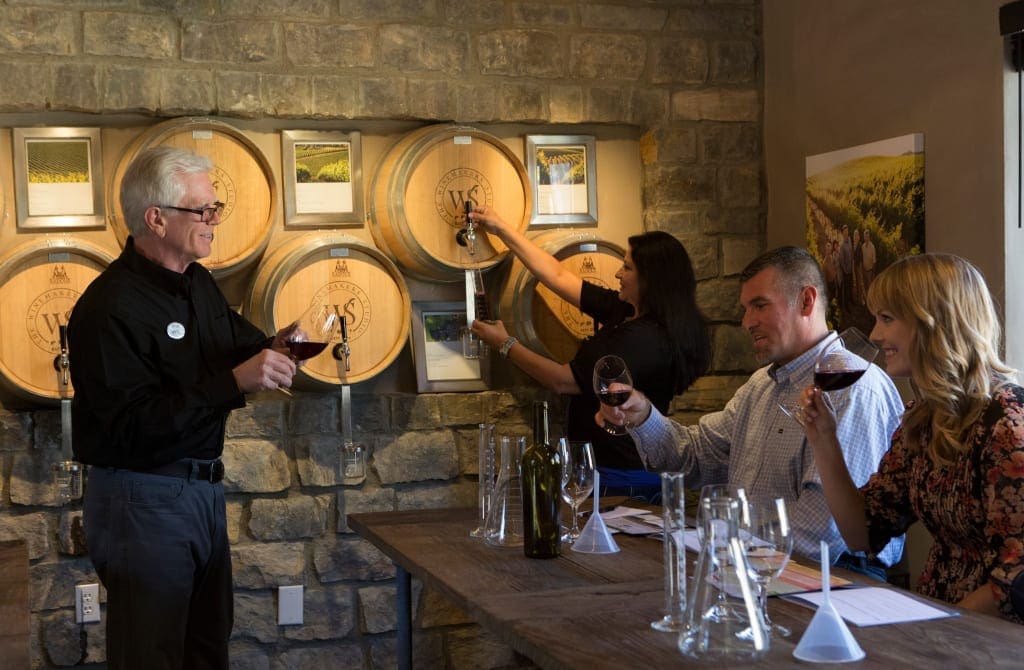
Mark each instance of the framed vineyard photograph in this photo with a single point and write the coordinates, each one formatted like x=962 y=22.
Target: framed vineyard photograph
x=58 y=178
x=563 y=174
x=322 y=178
x=441 y=367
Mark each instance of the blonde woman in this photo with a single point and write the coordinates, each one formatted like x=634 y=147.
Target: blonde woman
x=956 y=462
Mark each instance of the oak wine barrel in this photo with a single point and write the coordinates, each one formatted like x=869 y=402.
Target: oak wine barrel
x=366 y=289
x=418 y=193
x=539 y=318
x=241 y=176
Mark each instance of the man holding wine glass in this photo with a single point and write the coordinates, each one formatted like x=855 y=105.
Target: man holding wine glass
x=752 y=443
x=158 y=361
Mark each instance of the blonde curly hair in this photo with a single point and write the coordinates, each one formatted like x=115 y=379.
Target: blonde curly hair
x=955 y=363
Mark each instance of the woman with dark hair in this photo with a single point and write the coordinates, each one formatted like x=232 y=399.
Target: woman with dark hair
x=652 y=322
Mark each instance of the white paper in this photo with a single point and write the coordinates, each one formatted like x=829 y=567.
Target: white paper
x=874 y=605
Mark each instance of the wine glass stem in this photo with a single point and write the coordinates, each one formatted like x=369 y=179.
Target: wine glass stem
x=575 y=532
x=762 y=599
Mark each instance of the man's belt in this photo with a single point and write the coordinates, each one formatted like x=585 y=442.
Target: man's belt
x=191 y=468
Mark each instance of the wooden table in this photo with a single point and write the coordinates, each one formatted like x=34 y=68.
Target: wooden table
x=594 y=611
x=14 y=614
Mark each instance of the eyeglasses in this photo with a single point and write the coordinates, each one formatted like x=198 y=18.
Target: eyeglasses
x=206 y=213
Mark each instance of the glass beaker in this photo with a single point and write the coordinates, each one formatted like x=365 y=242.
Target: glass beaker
x=353 y=463
x=485 y=477
x=673 y=518
x=67 y=475
x=723 y=617
x=505 y=517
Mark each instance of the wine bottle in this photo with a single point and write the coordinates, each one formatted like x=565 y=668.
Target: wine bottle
x=542 y=495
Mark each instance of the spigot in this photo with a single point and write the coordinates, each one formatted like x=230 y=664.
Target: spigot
x=62 y=362
x=342 y=351
x=467 y=236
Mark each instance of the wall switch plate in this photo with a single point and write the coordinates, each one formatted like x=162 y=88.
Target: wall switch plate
x=87 y=603
x=289 y=605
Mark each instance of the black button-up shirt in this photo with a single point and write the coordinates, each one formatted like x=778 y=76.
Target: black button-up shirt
x=151 y=357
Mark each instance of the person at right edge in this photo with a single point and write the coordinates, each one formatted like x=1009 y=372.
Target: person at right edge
x=752 y=443
x=652 y=322
x=956 y=464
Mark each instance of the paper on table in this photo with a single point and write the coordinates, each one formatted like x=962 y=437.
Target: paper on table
x=874 y=606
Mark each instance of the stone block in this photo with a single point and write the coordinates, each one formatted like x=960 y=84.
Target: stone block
x=318 y=459
x=679 y=61
x=235 y=511
x=62 y=638
x=674 y=185
x=703 y=252
x=427 y=649
x=437 y=610
x=648 y=106
x=416 y=457
x=428 y=99
x=463 y=409
x=187 y=91
x=246 y=656
x=34 y=528
x=32 y=477
x=522 y=53
x=676 y=144
x=461 y=494
x=367 y=499
x=733 y=350
x=235 y=42
x=476 y=648
x=733 y=62
x=715 y=20
x=130 y=35
x=416 y=412
x=732 y=220
x=255 y=618
x=738 y=252
x=27 y=88
x=182 y=7
x=329 y=45
x=261 y=566
x=729 y=141
x=679 y=221
x=240 y=93
x=246 y=9
x=607 y=56
x=565 y=104
x=46 y=432
x=130 y=89
x=716 y=105
x=525 y=102
x=16 y=430
x=255 y=466
x=71 y=533
x=263 y=420
x=377 y=609
x=476 y=102
x=38 y=30
x=719 y=299
x=286 y=95
x=313 y=413
x=292 y=518
x=542 y=14
x=333 y=656
x=335 y=97
x=625 y=18
x=473 y=11
x=383 y=98
x=740 y=186
x=377 y=10
x=606 y=105
x=76 y=87
x=412 y=48
x=52 y=585
x=350 y=559
x=328 y=614
x=710 y=393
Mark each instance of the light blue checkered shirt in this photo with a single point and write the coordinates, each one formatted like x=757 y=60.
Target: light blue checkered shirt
x=752 y=444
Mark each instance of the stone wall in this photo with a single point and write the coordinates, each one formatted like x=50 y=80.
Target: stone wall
x=686 y=72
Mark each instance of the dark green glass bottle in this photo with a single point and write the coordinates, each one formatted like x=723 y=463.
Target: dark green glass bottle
x=542 y=495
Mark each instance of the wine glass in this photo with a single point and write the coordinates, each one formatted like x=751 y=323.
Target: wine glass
x=767 y=538
x=613 y=384
x=310 y=334
x=577 y=479
x=842 y=362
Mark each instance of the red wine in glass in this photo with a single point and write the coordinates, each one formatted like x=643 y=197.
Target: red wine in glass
x=613 y=398
x=833 y=380
x=612 y=385
x=302 y=350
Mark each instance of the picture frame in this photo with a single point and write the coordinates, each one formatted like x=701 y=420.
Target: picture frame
x=563 y=176
x=323 y=178
x=437 y=329
x=58 y=178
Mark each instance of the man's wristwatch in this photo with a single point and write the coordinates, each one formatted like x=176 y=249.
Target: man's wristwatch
x=506 y=346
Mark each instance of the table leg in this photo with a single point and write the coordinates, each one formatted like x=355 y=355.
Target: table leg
x=404 y=611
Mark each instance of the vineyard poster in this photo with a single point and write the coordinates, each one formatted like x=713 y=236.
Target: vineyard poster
x=58 y=177
x=865 y=210
x=563 y=174
x=322 y=177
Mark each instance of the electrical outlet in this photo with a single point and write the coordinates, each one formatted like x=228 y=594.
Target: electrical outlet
x=289 y=605
x=87 y=603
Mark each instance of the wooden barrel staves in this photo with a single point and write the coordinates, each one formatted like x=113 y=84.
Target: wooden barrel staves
x=40 y=282
x=543 y=321
x=366 y=289
x=241 y=176
x=418 y=193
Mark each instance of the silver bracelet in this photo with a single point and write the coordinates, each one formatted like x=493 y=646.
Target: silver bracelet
x=506 y=346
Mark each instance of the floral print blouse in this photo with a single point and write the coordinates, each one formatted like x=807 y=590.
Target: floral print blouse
x=973 y=508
